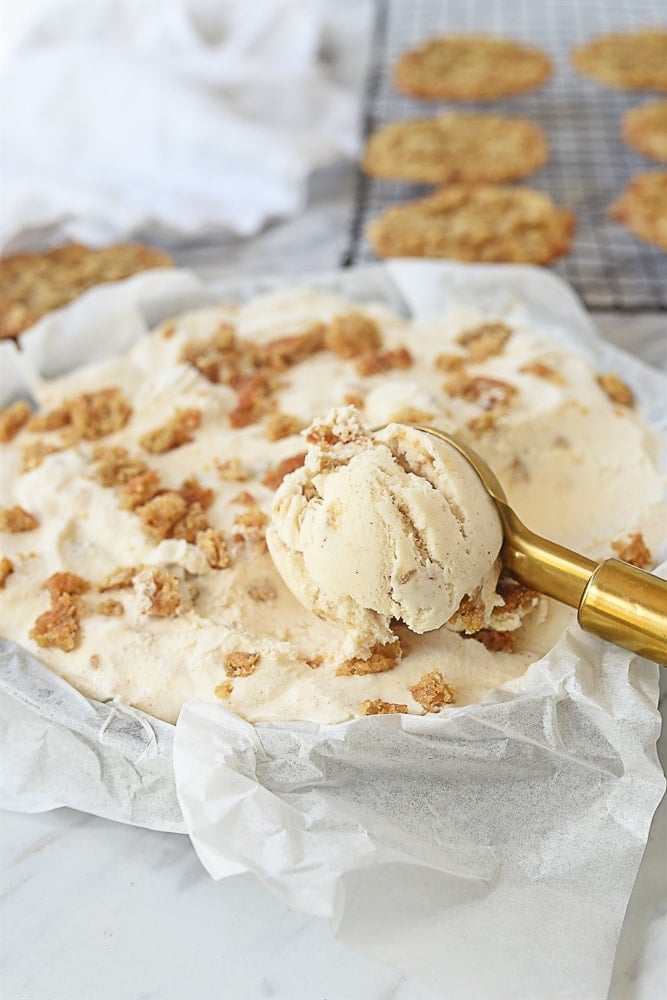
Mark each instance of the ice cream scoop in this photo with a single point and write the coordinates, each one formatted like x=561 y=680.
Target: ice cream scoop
x=614 y=600
x=387 y=525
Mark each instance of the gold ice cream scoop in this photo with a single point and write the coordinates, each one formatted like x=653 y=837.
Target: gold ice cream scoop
x=614 y=600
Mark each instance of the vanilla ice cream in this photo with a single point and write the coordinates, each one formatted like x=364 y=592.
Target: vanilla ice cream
x=134 y=508
x=389 y=525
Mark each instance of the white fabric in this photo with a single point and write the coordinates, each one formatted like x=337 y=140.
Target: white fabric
x=176 y=117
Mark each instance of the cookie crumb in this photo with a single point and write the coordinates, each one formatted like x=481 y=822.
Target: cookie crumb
x=376 y=362
x=12 y=419
x=274 y=477
x=352 y=334
x=6 y=569
x=120 y=579
x=214 y=546
x=634 y=551
x=59 y=626
x=175 y=432
x=111 y=609
x=383 y=657
x=232 y=470
x=616 y=389
x=16 y=519
x=379 y=707
x=495 y=640
x=159 y=517
x=158 y=592
x=282 y=425
x=223 y=690
x=484 y=341
x=240 y=664
x=432 y=693
x=66 y=583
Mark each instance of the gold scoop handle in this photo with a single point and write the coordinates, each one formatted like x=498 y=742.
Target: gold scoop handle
x=614 y=600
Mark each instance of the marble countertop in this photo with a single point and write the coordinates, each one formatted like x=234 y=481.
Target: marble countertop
x=90 y=908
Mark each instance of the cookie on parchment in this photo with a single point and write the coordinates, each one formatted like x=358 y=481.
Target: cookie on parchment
x=632 y=60
x=642 y=207
x=456 y=147
x=32 y=284
x=476 y=223
x=471 y=68
x=645 y=129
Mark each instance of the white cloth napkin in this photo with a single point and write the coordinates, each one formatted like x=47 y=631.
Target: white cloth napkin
x=169 y=117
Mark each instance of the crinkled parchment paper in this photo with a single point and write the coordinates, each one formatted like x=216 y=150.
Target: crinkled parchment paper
x=491 y=850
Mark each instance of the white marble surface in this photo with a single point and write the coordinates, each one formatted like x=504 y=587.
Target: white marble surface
x=92 y=909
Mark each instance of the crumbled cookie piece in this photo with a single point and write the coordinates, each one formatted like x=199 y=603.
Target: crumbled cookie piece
x=628 y=60
x=282 y=425
x=12 y=419
x=253 y=394
x=375 y=362
x=412 y=415
x=476 y=222
x=496 y=641
x=138 y=490
x=484 y=341
x=642 y=207
x=634 y=550
x=176 y=432
x=158 y=592
x=95 y=661
x=251 y=520
x=384 y=656
x=354 y=399
x=489 y=393
x=213 y=544
x=432 y=693
x=66 y=583
x=120 y=579
x=33 y=284
x=191 y=525
x=232 y=470
x=50 y=420
x=115 y=466
x=6 y=569
x=284 y=352
x=193 y=492
x=59 y=627
x=110 y=608
x=456 y=147
x=352 y=334
x=616 y=389
x=470 y=615
x=450 y=362
x=35 y=453
x=94 y=415
x=314 y=662
x=482 y=423
x=159 y=516
x=379 y=707
x=244 y=499
x=645 y=129
x=241 y=664
x=542 y=370
x=274 y=477
x=223 y=690
x=17 y=519
x=218 y=358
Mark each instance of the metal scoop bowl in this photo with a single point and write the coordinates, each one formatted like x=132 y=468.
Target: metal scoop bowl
x=614 y=600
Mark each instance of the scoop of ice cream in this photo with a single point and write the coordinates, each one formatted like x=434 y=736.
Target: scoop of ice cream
x=393 y=524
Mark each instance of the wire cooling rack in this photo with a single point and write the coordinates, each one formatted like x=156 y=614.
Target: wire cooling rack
x=589 y=164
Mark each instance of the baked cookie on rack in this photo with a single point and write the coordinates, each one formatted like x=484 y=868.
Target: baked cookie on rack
x=645 y=129
x=471 y=68
x=32 y=284
x=456 y=147
x=629 y=60
x=476 y=223
x=642 y=207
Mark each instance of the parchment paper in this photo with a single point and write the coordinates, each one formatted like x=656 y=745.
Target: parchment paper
x=490 y=851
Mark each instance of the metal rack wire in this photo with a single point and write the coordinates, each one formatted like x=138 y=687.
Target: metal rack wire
x=589 y=164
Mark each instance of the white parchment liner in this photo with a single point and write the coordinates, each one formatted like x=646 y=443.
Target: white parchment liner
x=490 y=851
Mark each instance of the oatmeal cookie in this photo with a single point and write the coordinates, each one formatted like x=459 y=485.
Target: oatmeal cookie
x=632 y=60
x=645 y=129
x=456 y=147
x=32 y=284
x=470 y=68
x=470 y=223
x=642 y=207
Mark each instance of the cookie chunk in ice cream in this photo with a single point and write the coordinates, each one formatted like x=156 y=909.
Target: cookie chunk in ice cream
x=387 y=525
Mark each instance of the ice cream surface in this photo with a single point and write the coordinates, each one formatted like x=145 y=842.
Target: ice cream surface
x=134 y=505
x=386 y=525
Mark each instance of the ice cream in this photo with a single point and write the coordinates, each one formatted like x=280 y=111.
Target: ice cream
x=134 y=504
x=390 y=525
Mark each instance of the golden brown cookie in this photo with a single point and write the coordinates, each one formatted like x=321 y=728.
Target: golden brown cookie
x=476 y=223
x=645 y=129
x=470 y=68
x=456 y=147
x=632 y=60
x=32 y=284
x=642 y=207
